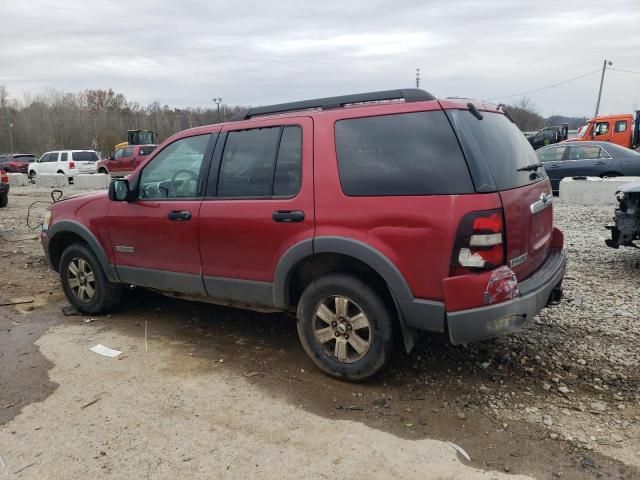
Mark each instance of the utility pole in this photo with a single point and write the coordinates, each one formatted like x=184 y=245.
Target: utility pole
x=604 y=68
x=417 y=78
x=218 y=101
x=11 y=136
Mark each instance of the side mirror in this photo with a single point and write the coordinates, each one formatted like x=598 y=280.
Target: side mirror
x=119 y=190
x=110 y=157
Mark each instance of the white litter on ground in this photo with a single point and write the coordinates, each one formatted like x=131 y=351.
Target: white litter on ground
x=105 y=351
x=460 y=450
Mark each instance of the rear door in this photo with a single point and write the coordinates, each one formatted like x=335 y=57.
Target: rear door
x=553 y=161
x=259 y=203
x=496 y=143
x=127 y=162
x=587 y=161
x=622 y=132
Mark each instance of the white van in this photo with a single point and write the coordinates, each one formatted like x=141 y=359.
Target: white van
x=67 y=162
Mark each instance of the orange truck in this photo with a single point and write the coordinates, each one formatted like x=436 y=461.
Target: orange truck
x=622 y=129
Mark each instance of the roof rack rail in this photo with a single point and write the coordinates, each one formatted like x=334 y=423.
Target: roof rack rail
x=408 y=94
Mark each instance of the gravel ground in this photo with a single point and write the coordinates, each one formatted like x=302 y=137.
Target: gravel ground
x=558 y=400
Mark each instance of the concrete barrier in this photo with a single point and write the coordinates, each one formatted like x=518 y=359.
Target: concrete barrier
x=94 y=181
x=55 y=180
x=18 y=179
x=592 y=190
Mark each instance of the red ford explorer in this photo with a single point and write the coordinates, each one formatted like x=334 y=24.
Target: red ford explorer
x=372 y=216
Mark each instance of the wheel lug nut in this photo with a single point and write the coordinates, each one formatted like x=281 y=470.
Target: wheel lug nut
x=334 y=324
x=337 y=334
x=348 y=327
x=346 y=336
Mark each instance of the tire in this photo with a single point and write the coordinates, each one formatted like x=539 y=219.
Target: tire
x=32 y=176
x=328 y=293
x=4 y=200
x=106 y=295
x=103 y=170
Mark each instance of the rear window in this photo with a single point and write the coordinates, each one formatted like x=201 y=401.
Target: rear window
x=85 y=156
x=495 y=148
x=404 y=154
x=146 y=150
x=24 y=158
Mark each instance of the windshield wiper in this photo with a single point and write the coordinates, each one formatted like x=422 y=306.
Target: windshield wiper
x=530 y=168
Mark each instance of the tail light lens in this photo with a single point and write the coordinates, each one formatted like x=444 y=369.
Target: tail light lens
x=72 y=164
x=479 y=243
x=4 y=178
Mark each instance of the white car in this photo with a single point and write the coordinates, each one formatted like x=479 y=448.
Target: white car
x=67 y=162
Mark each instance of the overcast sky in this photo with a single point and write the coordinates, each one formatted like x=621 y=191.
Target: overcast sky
x=183 y=53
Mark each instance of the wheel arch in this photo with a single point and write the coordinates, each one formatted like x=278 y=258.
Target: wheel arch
x=65 y=232
x=322 y=255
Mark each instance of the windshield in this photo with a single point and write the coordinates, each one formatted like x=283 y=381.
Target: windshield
x=581 y=131
x=497 y=151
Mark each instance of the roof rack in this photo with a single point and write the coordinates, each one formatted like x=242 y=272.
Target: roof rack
x=408 y=94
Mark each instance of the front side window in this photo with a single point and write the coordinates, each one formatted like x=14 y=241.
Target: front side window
x=602 y=128
x=552 y=154
x=174 y=172
x=402 y=154
x=621 y=126
x=584 y=153
x=118 y=154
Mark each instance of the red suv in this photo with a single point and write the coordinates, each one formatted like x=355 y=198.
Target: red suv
x=372 y=216
x=124 y=160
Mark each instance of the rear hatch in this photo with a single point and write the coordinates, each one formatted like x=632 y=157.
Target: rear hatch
x=497 y=153
x=85 y=162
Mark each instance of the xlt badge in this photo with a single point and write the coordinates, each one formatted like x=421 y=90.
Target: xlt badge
x=514 y=262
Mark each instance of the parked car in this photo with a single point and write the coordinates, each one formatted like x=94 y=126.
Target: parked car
x=67 y=162
x=622 y=129
x=625 y=228
x=124 y=160
x=369 y=217
x=4 y=189
x=588 y=159
x=16 y=162
x=549 y=135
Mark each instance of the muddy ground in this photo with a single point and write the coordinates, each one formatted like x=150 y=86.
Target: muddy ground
x=212 y=392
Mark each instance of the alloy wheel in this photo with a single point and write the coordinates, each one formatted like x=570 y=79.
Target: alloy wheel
x=81 y=279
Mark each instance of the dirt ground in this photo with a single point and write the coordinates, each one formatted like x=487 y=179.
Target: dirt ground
x=211 y=392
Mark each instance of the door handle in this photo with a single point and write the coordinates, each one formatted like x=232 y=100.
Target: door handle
x=600 y=163
x=288 y=216
x=554 y=166
x=179 y=215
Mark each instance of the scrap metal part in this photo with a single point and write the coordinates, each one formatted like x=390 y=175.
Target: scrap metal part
x=626 y=226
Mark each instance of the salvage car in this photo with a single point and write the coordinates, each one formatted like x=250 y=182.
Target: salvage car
x=370 y=216
x=588 y=159
x=625 y=228
x=16 y=162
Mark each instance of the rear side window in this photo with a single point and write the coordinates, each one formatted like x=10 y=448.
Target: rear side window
x=146 y=150
x=128 y=152
x=404 y=154
x=495 y=149
x=64 y=156
x=286 y=181
x=621 y=126
x=85 y=156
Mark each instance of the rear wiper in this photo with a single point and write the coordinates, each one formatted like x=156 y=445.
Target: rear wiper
x=530 y=168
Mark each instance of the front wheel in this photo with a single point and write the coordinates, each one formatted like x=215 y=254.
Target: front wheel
x=345 y=327
x=85 y=283
x=4 y=200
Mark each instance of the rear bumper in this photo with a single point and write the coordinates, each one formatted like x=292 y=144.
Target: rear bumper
x=4 y=188
x=494 y=320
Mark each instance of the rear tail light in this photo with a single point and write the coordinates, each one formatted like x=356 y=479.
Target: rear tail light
x=72 y=164
x=479 y=243
x=4 y=178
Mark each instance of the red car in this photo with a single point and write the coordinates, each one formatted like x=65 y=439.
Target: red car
x=371 y=216
x=125 y=160
x=17 y=162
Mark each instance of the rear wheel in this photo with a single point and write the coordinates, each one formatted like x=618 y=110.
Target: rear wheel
x=85 y=283
x=103 y=170
x=4 y=200
x=345 y=327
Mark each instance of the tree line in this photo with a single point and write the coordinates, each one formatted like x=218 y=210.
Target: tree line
x=90 y=119
x=99 y=119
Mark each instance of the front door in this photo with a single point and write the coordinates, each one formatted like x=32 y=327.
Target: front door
x=128 y=160
x=155 y=236
x=258 y=206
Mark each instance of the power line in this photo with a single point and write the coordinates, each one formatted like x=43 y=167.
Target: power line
x=623 y=70
x=545 y=88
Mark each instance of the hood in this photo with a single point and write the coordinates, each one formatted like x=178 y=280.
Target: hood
x=631 y=187
x=85 y=195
